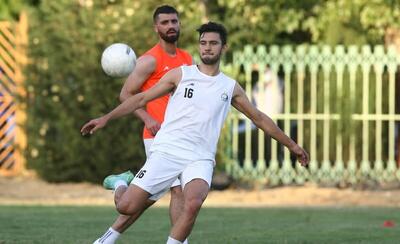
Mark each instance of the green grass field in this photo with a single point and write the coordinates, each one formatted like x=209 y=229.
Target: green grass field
x=36 y=224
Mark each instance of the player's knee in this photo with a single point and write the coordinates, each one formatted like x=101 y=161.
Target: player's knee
x=122 y=207
x=126 y=208
x=193 y=205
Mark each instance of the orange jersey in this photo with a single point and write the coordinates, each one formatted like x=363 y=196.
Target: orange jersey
x=164 y=63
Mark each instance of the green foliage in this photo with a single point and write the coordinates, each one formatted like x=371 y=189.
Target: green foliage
x=279 y=22
x=9 y=9
x=67 y=87
x=357 y=22
x=258 y=22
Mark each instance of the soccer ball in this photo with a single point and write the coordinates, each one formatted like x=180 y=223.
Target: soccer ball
x=118 y=60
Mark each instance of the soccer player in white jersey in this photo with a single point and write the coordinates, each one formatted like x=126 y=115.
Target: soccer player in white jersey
x=185 y=146
x=150 y=67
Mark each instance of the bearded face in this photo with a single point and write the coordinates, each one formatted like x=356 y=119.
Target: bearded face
x=168 y=27
x=171 y=36
x=211 y=58
x=210 y=48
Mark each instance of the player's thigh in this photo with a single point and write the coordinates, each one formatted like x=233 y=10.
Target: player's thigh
x=195 y=192
x=196 y=179
x=134 y=200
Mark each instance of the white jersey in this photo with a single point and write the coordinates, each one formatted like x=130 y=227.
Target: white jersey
x=195 y=115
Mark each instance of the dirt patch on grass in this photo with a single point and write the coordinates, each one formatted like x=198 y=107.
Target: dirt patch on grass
x=31 y=190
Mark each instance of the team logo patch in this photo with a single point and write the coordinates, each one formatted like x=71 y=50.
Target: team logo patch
x=224 y=97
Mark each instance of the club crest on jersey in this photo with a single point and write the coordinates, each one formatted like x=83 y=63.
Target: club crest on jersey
x=224 y=97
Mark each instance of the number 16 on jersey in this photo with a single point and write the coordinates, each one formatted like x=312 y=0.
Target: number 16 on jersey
x=188 y=92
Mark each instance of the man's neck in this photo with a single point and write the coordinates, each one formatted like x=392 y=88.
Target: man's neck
x=169 y=48
x=209 y=69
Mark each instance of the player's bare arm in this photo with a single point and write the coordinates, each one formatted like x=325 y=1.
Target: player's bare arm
x=166 y=85
x=262 y=121
x=145 y=66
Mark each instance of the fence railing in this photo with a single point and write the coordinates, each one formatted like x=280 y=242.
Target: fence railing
x=338 y=103
x=13 y=41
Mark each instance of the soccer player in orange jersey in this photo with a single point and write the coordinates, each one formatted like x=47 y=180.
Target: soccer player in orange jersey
x=150 y=67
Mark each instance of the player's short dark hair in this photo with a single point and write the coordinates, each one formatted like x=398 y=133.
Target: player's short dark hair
x=164 y=9
x=214 y=27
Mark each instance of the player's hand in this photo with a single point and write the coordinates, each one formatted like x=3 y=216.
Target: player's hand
x=152 y=125
x=301 y=155
x=93 y=125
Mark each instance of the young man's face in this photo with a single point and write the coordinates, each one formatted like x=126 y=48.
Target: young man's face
x=167 y=26
x=210 y=47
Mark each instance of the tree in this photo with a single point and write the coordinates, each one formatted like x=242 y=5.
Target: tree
x=357 y=22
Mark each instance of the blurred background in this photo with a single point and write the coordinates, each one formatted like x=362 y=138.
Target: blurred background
x=326 y=71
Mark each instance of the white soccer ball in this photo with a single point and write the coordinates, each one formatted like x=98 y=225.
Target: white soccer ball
x=118 y=60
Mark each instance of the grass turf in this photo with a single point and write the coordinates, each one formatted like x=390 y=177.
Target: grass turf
x=42 y=224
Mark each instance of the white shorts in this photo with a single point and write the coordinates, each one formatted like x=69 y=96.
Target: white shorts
x=161 y=170
x=147 y=144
